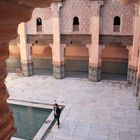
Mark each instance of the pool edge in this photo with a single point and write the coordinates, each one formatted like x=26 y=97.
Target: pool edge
x=46 y=127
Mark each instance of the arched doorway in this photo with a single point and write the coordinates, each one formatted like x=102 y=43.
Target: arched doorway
x=114 y=63
x=13 y=62
x=42 y=59
x=76 y=61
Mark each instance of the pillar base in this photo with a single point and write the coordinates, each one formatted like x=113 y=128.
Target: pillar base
x=137 y=87
x=131 y=76
x=137 y=93
x=138 y=102
x=59 y=71
x=94 y=74
x=27 y=69
x=134 y=73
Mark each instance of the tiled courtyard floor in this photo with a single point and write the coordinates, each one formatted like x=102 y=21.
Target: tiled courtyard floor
x=104 y=110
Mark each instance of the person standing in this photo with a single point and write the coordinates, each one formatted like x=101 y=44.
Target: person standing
x=57 y=112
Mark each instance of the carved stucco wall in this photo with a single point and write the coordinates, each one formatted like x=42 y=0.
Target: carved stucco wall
x=72 y=8
x=46 y=15
x=112 y=8
x=82 y=9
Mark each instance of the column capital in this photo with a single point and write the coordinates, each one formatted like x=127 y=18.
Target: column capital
x=128 y=48
x=63 y=45
x=51 y=45
x=95 y=7
x=55 y=6
x=88 y=46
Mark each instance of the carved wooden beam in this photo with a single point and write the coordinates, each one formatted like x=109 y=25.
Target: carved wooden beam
x=129 y=1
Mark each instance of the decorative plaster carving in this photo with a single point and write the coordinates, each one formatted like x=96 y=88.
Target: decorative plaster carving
x=55 y=6
x=109 y=10
x=95 y=7
x=72 y=8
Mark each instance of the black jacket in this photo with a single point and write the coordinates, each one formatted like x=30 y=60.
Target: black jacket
x=58 y=111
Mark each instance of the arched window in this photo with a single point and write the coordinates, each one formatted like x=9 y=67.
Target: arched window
x=75 y=24
x=39 y=24
x=117 y=23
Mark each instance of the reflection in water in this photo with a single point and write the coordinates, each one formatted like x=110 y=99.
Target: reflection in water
x=18 y=116
x=28 y=120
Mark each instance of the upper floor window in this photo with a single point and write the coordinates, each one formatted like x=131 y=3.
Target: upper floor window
x=75 y=24
x=39 y=24
x=117 y=23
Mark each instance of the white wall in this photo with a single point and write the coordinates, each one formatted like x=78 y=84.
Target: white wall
x=45 y=15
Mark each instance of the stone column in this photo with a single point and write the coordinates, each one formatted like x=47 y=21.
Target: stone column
x=57 y=48
x=136 y=52
x=136 y=38
x=25 y=52
x=94 y=64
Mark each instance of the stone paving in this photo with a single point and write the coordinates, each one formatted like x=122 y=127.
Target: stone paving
x=105 y=110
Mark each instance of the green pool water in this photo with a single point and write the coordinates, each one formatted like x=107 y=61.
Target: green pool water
x=28 y=120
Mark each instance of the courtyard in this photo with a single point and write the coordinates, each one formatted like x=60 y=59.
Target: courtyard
x=105 y=110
